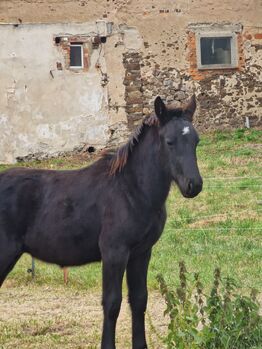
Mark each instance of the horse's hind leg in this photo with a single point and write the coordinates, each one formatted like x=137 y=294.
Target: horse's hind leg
x=10 y=252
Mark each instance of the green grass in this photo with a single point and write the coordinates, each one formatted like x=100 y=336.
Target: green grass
x=222 y=226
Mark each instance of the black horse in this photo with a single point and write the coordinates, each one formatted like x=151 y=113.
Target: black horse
x=113 y=210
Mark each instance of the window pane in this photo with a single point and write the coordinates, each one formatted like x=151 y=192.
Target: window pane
x=215 y=50
x=75 y=56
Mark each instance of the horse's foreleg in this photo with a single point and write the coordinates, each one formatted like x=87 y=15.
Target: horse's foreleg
x=114 y=264
x=137 y=285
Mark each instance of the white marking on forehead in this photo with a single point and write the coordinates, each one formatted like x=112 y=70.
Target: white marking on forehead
x=185 y=130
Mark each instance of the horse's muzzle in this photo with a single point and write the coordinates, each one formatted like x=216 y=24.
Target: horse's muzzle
x=193 y=188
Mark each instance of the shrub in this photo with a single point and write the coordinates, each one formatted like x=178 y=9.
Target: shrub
x=223 y=319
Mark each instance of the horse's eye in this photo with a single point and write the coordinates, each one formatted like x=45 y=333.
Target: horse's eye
x=169 y=142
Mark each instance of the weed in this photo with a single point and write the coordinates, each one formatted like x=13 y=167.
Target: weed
x=224 y=319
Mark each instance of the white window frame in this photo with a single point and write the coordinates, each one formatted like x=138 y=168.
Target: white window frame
x=217 y=34
x=82 y=56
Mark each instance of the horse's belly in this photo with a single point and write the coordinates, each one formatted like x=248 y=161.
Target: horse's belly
x=64 y=249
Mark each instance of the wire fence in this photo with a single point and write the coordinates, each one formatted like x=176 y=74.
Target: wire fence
x=227 y=216
x=232 y=215
x=232 y=178
x=235 y=184
x=214 y=229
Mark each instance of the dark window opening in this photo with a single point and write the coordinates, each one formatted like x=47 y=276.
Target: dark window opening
x=76 y=55
x=215 y=50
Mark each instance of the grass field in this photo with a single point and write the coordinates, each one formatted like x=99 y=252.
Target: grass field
x=221 y=227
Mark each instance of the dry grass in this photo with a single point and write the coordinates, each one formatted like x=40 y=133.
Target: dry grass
x=41 y=317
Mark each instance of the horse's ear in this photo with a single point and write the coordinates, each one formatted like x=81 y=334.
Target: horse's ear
x=160 y=110
x=190 y=108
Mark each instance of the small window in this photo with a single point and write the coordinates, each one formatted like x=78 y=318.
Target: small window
x=76 y=55
x=216 y=51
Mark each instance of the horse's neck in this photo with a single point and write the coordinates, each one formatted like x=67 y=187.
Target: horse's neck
x=149 y=167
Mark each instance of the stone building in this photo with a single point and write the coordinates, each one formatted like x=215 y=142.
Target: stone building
x=79 y=75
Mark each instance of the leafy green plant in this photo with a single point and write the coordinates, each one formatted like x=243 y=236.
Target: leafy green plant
x=223 y=319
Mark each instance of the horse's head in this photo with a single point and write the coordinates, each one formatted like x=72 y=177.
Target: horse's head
x=179 y=140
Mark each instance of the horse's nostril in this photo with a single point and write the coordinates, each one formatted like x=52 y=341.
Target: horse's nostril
x=190 y=187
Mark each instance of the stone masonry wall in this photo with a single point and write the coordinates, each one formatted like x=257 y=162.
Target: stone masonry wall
x=225 y=97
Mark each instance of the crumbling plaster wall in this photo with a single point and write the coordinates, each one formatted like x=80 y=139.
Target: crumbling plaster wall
x=45 y=110
x=152 y=52
x=48 y=108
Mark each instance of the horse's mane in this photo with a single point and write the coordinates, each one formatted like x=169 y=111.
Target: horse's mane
x=119 y=159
